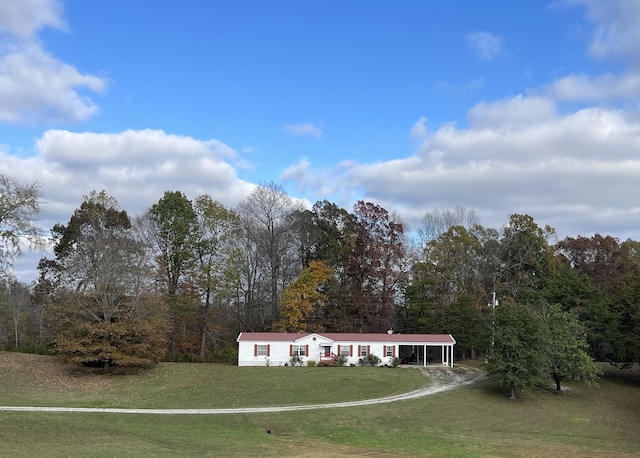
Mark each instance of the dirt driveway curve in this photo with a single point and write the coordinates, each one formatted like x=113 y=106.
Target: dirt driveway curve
x=443 y=379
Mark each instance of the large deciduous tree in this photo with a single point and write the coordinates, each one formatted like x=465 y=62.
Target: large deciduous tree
x=270 y=250
x=577 y=295
x=447 y=290
x=218 y=269
x=19 y=206
x=103 y=311
x=302 y=298
x=603 y=259
x=613 y=270
x=376 y=266
x=327 y=233
x=525 y=257
x=172 y=230
x=567 y=350
x=518 y=355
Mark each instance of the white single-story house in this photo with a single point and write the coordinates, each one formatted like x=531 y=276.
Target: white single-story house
x=278 y=348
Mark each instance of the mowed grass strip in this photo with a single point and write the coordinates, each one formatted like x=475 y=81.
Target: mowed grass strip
x=474 y=421
x=34 y=380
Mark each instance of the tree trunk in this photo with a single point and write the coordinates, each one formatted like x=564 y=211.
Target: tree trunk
x=556 y=378
x=205 y=324
x=513 y=390
x=203 y=342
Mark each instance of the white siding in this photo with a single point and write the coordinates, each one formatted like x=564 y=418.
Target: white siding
x=278 y=354
x=279 y=351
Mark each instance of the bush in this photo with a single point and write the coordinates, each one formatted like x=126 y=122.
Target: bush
x=369 y=360
x=311 y=363
x=341 y=361
x=394 y=362
x=295 y=361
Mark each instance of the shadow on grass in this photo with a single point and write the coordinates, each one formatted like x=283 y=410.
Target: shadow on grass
x=627 y=377
x=79 y=370
x=494 y=390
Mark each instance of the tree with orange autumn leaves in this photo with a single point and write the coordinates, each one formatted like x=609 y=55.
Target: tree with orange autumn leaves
x=302 y=297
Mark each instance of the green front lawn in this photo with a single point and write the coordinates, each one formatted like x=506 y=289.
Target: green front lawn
x=476 y=420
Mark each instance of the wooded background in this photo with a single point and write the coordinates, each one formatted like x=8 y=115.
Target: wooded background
x=182 y=280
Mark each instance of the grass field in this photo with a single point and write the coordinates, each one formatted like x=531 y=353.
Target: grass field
x=476 y=420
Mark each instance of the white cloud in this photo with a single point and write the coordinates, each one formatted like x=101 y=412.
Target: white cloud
x=516 y=111
x=616 y=33
x=420 y=128
x=139 y=147
x=304 y=129
x=299 y=170
x=24 y=18
x=136 y=167
x=609 y=87
x=35 y=87
x=322 y=185
x=575 y=172
x=518 y=155
x=486 y=45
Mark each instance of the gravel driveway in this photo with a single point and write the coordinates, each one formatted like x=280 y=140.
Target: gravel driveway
x=443 y=379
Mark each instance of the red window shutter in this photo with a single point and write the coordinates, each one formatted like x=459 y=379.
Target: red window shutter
x=290 y=350
x=306 y=351
x=268 y=350
x=394 y=351
x=338 y=350
x=255 y=350
x=350 y=350
x=359 y=350
x=384 y=351
x=368 y=349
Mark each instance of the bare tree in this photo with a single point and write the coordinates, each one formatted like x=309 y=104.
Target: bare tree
x=19 y=206
x=14 y=312
x=438 y=222
x=267 y=222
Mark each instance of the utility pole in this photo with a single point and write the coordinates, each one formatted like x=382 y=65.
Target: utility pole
x=493 y=304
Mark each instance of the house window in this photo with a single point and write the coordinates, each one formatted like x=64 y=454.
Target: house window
x=262 y=350
x=345 y=350
x=364 y=350
x=299 y=350
x=390 y=352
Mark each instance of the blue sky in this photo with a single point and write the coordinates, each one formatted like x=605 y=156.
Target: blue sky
x=502 y=107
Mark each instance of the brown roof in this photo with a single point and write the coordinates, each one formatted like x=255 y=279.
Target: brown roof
x=346 y=337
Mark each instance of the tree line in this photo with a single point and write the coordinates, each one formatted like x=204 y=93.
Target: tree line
x=181 y=280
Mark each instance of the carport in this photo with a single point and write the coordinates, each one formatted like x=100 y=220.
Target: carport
x=423 y=348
